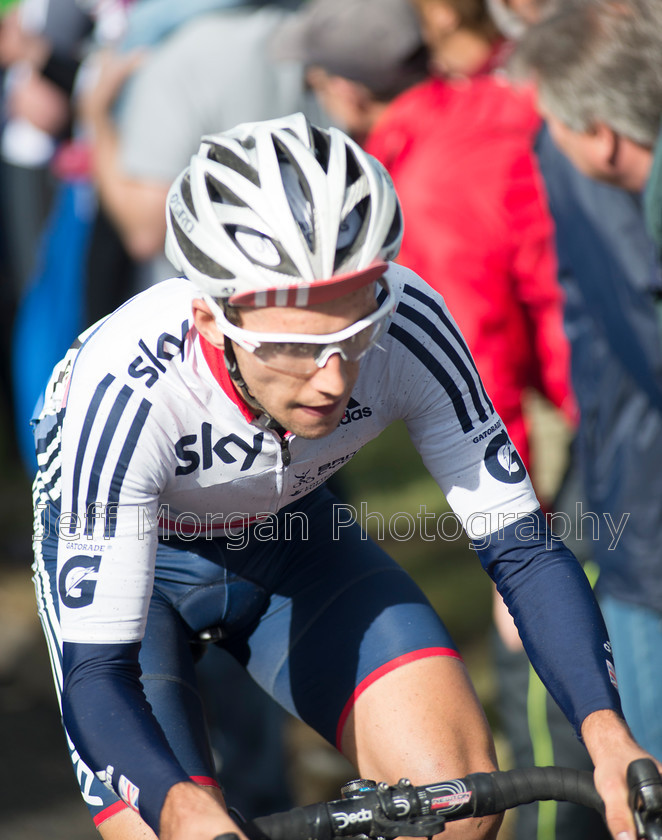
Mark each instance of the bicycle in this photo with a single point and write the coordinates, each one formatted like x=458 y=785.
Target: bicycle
x=386 y=811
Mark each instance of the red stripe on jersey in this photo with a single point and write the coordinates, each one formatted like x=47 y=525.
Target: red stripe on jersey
x=207 y=781
x=215 y=358
x=110 y=811
x=116 y=807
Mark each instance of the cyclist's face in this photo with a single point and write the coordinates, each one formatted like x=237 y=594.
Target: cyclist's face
x=309 y=406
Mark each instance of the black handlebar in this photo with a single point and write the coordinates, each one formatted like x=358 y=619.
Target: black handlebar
x=380 y=810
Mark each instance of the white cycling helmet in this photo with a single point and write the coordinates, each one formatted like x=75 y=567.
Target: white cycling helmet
x=282 y=212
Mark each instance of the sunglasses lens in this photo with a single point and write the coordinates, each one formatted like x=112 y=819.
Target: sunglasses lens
x=303 y=358
x=288 y=357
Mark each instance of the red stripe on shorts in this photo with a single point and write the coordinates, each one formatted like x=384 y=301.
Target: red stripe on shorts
x=423 y=653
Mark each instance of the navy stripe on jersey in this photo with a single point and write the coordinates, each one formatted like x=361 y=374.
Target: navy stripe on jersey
x=445 y=345
x=45 y=440
x=123 y=464
x=92 y=411
x=44 y=468
x=438 y=371
x=100 y=455
x=51 y=484
x=421 y=297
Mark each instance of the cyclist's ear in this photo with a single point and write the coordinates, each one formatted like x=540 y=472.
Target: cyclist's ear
x=205 y=323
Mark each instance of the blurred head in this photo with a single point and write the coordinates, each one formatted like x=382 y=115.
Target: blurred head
x=286 y=230
x=596 y=65
x=460 y=34
x=359 y=54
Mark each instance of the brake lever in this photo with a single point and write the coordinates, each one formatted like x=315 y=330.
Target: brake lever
x=645 y=797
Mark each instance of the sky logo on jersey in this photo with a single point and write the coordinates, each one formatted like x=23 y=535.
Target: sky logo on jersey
x=354 y=411
x=502 y=460
x=167 y=347
x=74 y=584
x=226 y=448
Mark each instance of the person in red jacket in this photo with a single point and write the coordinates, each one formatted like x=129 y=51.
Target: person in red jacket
x=478 y=229
x=460 y=153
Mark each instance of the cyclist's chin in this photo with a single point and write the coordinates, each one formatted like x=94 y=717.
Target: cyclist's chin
x=312 y=424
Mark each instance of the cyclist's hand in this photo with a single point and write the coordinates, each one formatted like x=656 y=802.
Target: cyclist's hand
x=192 y=813
x=612 y=748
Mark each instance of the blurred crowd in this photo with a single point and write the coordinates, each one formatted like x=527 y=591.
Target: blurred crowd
x=523 y=140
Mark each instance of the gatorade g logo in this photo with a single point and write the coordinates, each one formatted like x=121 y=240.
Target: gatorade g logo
x=502 y=460
x=74 y=585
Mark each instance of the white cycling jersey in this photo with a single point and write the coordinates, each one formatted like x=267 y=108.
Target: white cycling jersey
x=143 y=433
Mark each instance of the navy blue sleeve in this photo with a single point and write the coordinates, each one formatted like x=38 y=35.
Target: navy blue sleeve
x=109 y=719
x=557 y=616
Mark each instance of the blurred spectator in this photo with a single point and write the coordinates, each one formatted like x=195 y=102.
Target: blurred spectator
x=597 y=68
x=85 y=269
x=599 y=85
x=164 y=112
x=37 y=41
x=77 y=244
x=40 y=47
x=462 y=37
x=460 y=155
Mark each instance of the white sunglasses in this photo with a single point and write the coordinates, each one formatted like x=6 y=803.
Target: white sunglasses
x=301 y=354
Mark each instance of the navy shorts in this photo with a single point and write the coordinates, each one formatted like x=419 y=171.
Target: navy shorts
x=313 y=619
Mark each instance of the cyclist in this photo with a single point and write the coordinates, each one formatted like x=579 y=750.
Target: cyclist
x=183 y=447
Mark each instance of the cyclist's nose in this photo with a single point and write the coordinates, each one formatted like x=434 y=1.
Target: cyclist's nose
x=333 y=377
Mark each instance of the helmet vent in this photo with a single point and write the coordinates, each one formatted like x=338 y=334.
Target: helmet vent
x=199 y=260
x=396 y=227
x=354 y=171
x=299 y=195
x=226 y=157
x=262 y=250
x=322 y=147
x=362 y=210
x=221 y=194
x=187 y=197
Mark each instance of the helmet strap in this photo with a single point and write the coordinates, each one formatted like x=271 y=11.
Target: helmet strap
x=238 y=380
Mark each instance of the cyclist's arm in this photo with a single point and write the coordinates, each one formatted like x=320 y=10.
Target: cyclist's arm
x=465 y=446
x=107 y=716
x=110 y=721
x=565 y=638
x=106 y=558
x=558 y=619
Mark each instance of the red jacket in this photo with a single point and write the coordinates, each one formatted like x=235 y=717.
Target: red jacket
x=478 y=230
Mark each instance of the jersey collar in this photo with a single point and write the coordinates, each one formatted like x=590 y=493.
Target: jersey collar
x=215 y=359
